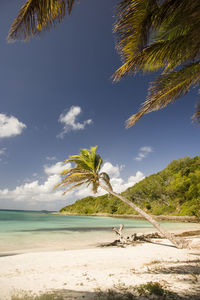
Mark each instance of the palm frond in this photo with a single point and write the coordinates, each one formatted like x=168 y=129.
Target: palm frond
x=80 y=162
x=171 y=12
x=73 y=187
x=167 y=54
x=37 y=15
x=133 y=24
x=153 y=35
x=169 y=42
x=73 y=178
x=106 y=179
x=133 y=27
x=167 y=88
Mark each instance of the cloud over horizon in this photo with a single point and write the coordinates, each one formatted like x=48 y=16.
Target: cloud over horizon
x=42 y=193
x=69 y=121
x=10 y=126
x=143 y=152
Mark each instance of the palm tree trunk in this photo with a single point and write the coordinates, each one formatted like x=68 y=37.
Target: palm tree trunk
x=169 y=236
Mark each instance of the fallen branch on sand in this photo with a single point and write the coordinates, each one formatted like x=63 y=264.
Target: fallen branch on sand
x=123 y=241
x=134 y=237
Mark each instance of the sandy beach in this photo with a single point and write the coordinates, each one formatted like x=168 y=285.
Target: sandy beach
x=81 y=273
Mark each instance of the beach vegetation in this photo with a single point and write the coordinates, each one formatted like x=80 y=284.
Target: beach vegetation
x=23 y=295
x=87 y=171
x=153 y=288
x=151 y=35
x=149 y=290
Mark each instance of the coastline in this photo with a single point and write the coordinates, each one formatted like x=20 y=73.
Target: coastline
x=189 y=219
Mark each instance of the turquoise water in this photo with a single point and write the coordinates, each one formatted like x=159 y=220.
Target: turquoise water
x=22 y=231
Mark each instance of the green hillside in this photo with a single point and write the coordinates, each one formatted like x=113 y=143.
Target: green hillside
x=172 y=191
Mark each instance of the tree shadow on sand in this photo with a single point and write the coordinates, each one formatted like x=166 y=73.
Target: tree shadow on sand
x=178 y=267
x=187 y=272
x=150 y=290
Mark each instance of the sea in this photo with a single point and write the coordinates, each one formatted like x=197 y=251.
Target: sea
x=30 y=231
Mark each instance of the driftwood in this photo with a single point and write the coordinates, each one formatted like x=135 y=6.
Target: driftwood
x=119 y=233
x=130 y=240
x=123 y=241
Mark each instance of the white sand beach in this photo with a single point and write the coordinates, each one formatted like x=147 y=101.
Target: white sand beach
x=80 y=273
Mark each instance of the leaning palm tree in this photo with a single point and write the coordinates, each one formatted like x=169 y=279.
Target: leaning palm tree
x=152 y=35
x=87 y=171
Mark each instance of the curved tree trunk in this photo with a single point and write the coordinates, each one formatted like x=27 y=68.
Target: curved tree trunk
x=148 y=217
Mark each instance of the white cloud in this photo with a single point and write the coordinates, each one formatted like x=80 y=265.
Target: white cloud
x=51 y=158
x=69 y=121
x=56 y=168
x=143 y=152
x=39 y=192
x=3 y=151
x=110 y=169
x=120 y=185
x=34 y=191
x=10 y=126
x=42 y=195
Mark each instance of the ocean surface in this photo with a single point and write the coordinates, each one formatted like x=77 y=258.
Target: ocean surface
x=25 y=231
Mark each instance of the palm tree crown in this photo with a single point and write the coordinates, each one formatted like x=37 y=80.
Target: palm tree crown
x=86 y=171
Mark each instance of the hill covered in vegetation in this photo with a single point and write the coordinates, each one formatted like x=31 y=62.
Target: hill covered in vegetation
x=172 y=191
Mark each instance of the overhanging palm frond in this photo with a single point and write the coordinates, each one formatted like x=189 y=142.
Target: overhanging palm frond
x=36 y=15
x=153 y=35
x=167 y=88
x=171 y=13
x=165 y=42
x=133 y=24
x=133 y=27
x=167 y=54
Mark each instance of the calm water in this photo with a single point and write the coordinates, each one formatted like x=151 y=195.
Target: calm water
x=22 y=231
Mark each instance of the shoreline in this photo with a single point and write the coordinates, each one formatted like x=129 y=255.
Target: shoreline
x=189 y=219
x=99 y=243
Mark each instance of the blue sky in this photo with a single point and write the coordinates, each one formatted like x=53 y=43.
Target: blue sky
x=57 y=97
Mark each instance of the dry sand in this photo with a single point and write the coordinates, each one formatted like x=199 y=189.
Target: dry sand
x=84 y=271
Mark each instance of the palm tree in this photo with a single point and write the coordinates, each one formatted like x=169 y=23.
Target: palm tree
x=87 y=171
x=152 y=35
